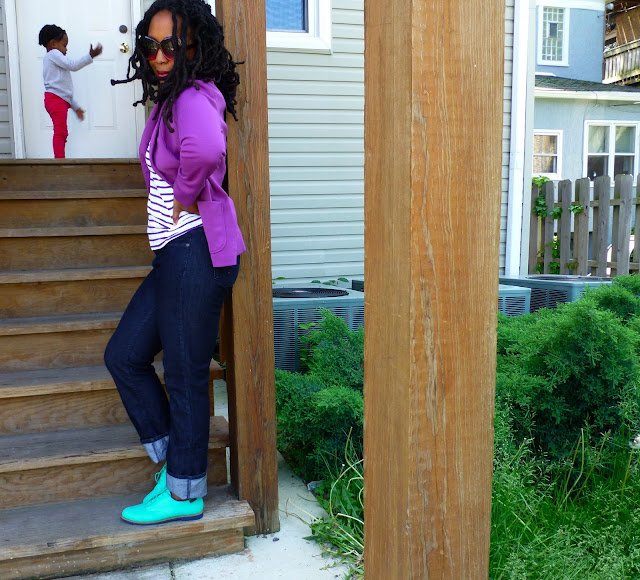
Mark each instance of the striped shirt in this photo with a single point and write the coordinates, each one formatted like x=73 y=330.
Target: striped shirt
x=160 y=226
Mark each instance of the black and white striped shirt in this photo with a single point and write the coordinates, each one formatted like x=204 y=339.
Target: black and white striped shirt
x=160 y=226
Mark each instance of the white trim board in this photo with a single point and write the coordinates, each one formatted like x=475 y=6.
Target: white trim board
x=13 y=70
x=545 y=93
x=576 y=4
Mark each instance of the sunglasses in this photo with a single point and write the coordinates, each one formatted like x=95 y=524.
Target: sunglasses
x=169 y=45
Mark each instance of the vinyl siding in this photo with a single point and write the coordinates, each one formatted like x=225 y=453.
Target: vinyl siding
x=5 y=115
x=506 y=127
x=316 y=154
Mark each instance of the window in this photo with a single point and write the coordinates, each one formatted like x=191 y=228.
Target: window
x=611 y=149
x=547 y=150
x=287 y=15
x=299 y=25
x=553 y=36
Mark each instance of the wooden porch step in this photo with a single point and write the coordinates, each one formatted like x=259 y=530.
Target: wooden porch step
x=65 y=466
x=88 y=536
x=65 y=323
x=83 y=193
x=73 y=274
x=83 y=251
x=72 y=291
x=36 y=175
x=65 y=232
x=60 y=213
x=57 y=399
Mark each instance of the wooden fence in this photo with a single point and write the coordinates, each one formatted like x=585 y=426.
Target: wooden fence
x=570 y=229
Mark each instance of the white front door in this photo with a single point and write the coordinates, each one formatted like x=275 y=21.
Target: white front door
x=112 y=125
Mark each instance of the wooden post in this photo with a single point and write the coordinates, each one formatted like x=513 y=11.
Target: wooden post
x=248 y=321
x=433 y=148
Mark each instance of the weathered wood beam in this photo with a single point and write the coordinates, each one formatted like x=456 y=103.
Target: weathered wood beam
x=248 y=321
x=433 y=148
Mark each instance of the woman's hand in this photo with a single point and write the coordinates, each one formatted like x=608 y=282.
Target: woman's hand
x=178 y=207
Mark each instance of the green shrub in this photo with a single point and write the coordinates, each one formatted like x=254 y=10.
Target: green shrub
x=618 y=298
x=314 y=422
x=562 y=370
x=333 y=353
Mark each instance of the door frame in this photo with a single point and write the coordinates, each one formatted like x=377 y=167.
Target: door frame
x=13 y=71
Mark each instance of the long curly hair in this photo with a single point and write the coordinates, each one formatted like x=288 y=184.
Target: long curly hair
x=211 y=60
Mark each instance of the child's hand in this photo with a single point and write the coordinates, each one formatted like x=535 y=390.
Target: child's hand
x=80 y=114
x=93 y=52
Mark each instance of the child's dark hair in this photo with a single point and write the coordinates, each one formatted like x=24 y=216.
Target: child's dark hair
x=50 y=32
x=211 y=61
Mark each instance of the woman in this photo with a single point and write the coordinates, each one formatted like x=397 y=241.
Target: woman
x=186 y=70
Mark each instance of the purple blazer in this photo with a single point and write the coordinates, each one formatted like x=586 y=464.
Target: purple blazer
x=192 y=160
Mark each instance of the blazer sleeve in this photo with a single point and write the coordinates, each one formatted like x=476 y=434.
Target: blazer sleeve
x=201 y=130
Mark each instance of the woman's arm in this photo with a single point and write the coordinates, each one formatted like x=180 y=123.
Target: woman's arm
x=202 y=131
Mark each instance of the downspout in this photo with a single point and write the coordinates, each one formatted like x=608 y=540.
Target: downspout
x=518 y=197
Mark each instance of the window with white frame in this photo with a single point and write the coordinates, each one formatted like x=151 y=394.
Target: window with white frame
x=299 y=25
x=553 y=36
x=547 y=153
x=611 y=149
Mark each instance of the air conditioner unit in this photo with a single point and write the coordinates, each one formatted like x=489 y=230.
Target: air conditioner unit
x=295 y=306
x=548 y=290
x=514 y=300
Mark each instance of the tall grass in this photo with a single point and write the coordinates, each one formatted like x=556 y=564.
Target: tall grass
x=579 y=519
x=341 y=533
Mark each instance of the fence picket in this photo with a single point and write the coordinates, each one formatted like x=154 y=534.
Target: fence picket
x=622 y=224
x=534 y=234
x=602 y=194
x=565 y=192
x=581 y=227
x=547 y=242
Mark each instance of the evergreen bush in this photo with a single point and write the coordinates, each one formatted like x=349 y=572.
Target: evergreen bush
x=576 y=367
x=317 y=410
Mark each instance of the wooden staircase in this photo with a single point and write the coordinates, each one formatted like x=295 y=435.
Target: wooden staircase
x=73 y=249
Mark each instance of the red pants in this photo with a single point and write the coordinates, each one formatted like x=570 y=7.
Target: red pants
x=58 y=108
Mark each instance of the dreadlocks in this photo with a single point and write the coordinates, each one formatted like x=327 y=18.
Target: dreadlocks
x=211 y=61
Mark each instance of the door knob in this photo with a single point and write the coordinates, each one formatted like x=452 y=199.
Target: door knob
x=124 y=48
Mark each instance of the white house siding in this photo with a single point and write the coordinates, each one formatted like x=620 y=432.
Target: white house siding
x=316 y=153
x=5 y=116
x=506 y=127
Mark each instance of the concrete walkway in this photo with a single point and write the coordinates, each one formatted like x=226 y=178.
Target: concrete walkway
x=285 y=555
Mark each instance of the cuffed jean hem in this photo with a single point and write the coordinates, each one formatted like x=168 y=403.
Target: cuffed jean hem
x=187 y=488
x=157 y=450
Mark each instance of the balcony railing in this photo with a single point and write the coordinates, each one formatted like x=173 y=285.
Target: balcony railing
x=622 y=64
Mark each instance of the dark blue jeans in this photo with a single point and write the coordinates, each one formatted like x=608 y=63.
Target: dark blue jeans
x=176 y=310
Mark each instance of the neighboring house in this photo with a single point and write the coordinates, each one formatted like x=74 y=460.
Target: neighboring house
x=315 y=71
x=569 y=123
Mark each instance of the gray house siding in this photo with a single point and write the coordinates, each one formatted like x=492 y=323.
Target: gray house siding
x=5 y=114
x=585 y=49
x=316 y=154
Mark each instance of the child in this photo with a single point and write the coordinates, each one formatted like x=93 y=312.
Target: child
x=56 y=71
